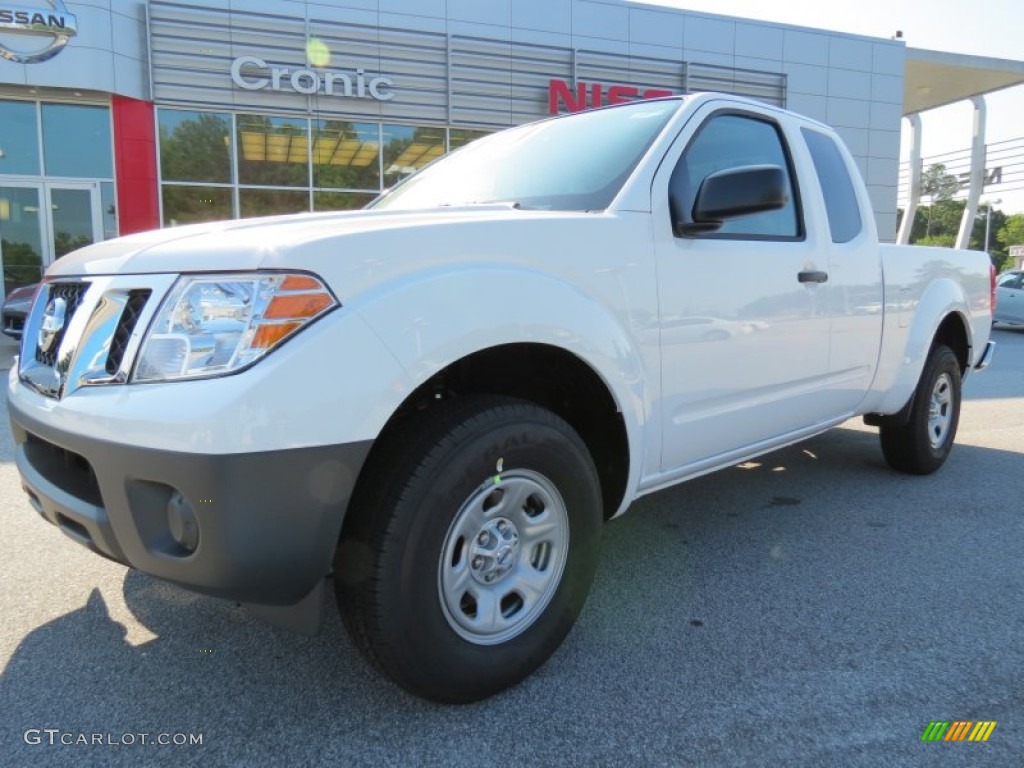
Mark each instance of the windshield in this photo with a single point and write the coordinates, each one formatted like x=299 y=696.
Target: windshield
x=575 y=163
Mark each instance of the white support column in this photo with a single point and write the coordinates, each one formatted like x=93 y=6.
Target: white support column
x=914 y=195
x=977 y=173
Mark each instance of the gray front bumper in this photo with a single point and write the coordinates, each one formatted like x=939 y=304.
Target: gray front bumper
x=268 y=523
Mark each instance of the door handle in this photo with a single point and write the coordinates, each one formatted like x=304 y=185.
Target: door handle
x=813 y=277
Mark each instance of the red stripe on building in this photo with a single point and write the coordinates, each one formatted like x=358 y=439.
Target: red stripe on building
x=138 y=208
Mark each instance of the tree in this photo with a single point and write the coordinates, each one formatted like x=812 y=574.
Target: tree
x=938 y=184
x=197 y=149
x=939 y=224
x=943 y=241
x=1012 y=231
x=22 y=264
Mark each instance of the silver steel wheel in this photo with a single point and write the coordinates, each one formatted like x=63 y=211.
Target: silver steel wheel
x=940 y=411
x=503 y=557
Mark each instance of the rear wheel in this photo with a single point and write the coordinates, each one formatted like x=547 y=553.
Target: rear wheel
x=470 y=547
x=922 y=445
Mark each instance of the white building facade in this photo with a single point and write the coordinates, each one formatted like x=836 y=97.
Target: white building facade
x=123 y=115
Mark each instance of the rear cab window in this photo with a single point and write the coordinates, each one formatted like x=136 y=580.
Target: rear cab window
x=841 y=204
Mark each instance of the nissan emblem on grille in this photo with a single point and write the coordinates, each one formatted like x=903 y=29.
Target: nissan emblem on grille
x=53 y=322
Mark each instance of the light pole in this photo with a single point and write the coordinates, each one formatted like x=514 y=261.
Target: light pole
x=988 y=220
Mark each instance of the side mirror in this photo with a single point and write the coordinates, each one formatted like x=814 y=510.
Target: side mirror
x=729 y=194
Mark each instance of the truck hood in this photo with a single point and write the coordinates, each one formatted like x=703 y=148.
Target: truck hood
x=259 y=243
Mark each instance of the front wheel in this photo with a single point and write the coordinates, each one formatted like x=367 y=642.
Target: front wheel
x=922 y=445
x=471 y=546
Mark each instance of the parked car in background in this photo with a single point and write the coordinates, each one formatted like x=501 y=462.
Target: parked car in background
x=16 y=309
x=1010 y=297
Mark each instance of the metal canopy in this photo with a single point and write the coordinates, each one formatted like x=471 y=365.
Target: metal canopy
x=935 y=78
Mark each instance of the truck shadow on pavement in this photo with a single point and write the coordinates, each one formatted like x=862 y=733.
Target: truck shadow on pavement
x=800 y=587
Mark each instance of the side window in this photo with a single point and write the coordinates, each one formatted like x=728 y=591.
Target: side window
x=731 y=141
x=837 y=187
x=1010 y=280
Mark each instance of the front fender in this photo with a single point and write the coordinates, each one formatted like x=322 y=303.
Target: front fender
x=429 y=321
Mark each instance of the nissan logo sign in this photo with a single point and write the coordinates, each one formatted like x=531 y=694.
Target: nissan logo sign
x=49 y=23
x=254 y=74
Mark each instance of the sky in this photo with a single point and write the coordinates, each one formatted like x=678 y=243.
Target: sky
x=992 y=28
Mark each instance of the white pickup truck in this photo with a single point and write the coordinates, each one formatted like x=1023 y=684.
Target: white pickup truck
x=438 y=400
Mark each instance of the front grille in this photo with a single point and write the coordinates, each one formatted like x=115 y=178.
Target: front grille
x=72 y=293
x=125 y=326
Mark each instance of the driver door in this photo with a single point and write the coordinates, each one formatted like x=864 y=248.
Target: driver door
x=744 y=336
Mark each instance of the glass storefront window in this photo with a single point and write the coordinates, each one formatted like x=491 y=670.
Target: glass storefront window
x=340 y=201
x=273 y=151
x=76 y=141
x=71 y=215
x=21 y=238
x=270 y=202
x=190 y=205
x=273 y=158
x=460 y=137
x=19 y=139
x=408 y=148
x=195 y=146
x=108 y=204
x=346 y=155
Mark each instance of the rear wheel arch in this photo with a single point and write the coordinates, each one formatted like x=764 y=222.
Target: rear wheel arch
x=952 y=332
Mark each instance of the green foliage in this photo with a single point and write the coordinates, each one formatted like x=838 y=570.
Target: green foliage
x=64 y=243
x=939 y=223
x=943 y=241
x=941 y=218
x=22 y=264
x=197 y=149
x=1012 y=231
x=939 y=184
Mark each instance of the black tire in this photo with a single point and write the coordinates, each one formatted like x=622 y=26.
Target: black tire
x=404 y=552
x=922 y=445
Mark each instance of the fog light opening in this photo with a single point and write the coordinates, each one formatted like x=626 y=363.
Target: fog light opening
x=182 y=523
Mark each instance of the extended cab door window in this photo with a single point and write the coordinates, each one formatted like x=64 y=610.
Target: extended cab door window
x=729 y=141
x=841 y=205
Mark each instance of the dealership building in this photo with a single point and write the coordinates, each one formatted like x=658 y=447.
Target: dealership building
x=123 y=115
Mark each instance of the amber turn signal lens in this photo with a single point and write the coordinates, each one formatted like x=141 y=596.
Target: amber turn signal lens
x=300 y=283
x=269 y=335
x=301 y=305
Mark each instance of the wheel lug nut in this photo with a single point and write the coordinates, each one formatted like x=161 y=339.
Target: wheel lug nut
x=478 y=562
x=483 y=538
x=502 y=527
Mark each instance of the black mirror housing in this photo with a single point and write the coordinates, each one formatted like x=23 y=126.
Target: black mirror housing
x=729 y=194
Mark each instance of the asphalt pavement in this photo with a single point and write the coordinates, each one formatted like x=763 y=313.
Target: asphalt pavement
x=810 y=608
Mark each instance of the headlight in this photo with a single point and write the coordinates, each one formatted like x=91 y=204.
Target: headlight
x=209 y=325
